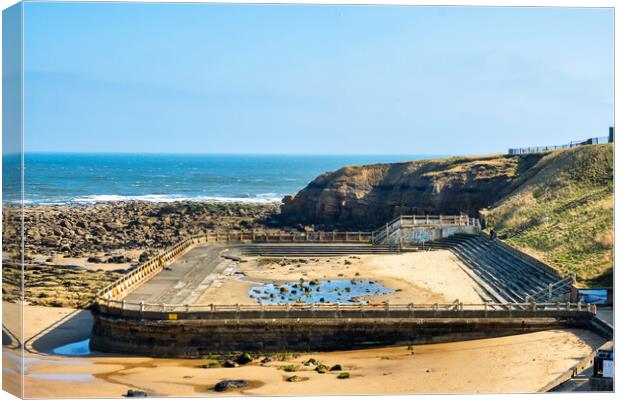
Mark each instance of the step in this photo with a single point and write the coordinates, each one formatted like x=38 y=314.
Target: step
x=519 y=285
x=520 y=281
x=501 y=276
x=513 y=261
x=496 y=284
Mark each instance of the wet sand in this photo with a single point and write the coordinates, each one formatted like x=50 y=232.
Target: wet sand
x=420 y=277
x=522 y=363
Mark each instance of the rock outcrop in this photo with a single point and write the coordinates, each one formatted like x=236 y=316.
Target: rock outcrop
x=367 y=196
x=82 y=231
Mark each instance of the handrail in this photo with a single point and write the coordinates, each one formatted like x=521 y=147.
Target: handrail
x=163 y=310
x=408 y=221
x=552 y=288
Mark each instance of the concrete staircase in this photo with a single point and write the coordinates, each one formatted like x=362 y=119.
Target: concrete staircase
x=313 y=250
x=504 y=276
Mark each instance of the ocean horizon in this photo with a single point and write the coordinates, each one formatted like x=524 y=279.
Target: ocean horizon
x=89 y=178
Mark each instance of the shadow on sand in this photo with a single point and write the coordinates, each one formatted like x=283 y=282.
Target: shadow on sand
x=72 y=328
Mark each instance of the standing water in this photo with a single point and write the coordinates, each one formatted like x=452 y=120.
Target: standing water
x=318 y=291
x=81 y=348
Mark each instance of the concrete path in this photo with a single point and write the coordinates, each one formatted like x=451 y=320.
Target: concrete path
x=606 y=314
x=186 y=280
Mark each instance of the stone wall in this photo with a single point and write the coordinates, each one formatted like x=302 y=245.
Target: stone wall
x=193 y=338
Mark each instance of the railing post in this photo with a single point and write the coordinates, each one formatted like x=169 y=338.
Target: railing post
x=550 y=294
x=187 y=308
x=163 y=307
x=486 y=312
x=123 y=304
x=141 y=307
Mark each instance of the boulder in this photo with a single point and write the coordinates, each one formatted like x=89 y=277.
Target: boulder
x=114 y=225
x=230 y=384
x=321 y=368
x=135 y=393
x=244 y=359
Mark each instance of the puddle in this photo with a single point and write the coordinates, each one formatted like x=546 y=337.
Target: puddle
x=81 y=348
x=318 y=291
x=63 y=377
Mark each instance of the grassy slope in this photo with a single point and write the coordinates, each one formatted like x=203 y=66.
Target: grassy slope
x=561 y=212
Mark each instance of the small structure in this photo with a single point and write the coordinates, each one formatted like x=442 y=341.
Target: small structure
x=603 y=369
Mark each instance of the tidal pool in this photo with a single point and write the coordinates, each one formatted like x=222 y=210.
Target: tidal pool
x=318 y=291
x=81 y=348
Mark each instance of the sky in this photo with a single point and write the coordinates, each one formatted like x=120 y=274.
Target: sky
x=303 y=79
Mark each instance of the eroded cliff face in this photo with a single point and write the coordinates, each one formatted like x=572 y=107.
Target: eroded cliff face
x=368 y=196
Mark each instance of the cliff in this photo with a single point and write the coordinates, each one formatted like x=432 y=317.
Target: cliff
x=368 y=196
x=556 y=206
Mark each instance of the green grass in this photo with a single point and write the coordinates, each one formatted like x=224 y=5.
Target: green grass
x=563 y=213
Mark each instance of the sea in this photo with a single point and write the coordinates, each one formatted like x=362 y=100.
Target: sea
x=94 y=178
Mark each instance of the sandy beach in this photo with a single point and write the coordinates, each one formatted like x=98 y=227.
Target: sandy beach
x=514 y=364
x=419 y=277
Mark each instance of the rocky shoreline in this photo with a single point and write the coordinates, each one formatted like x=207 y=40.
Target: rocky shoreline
x=71 y=251
x=88 y=230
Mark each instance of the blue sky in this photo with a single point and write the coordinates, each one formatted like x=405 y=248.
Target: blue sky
x=200 y=78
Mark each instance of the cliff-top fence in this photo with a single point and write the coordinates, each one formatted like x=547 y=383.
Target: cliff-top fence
x=540 y=149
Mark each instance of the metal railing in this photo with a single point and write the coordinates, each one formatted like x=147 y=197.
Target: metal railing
x=410 y=221
x=159 y=311
x=287 y=237
x=540 y=149
x=553 y=289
